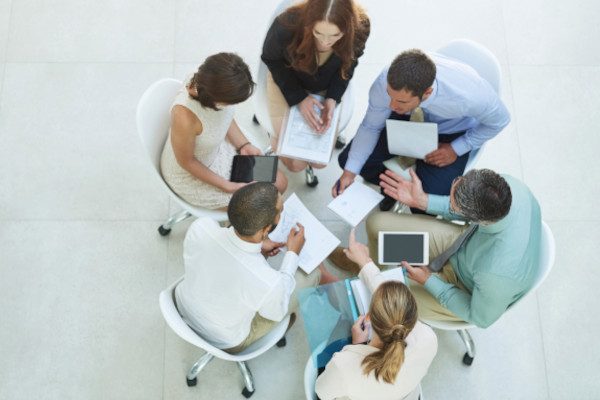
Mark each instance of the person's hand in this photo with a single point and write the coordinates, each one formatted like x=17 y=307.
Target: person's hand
x=360 y=330
x=357 y=252
x=232 y=187
x=307 y=109
x=270 y=248
x=408 y=192
x=345 y=180
x=444 y=155
x=327 y=115
x=250 y=150
x=419 y=273
x=296 y=239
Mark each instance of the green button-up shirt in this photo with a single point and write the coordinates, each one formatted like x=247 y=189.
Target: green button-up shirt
x=497 y=265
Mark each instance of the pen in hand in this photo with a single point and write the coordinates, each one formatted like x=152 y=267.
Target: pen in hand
x=337 y=189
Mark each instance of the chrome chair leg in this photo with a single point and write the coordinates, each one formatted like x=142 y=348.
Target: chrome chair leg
x=165 y=228
x=248 y=380
x=197 y=367
x=469 y=344
x=311 y=179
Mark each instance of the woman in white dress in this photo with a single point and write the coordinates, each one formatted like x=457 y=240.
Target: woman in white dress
x=197 y=157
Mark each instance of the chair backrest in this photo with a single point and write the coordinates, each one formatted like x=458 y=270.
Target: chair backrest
x=153 y=117
x=478 y=57
x=172 y=317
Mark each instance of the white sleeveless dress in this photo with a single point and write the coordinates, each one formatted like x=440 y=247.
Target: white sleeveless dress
x=211 y=149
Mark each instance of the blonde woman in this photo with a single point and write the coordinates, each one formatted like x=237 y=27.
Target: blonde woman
x=390 y=365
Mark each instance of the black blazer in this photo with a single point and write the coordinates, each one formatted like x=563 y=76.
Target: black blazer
x=294 y=84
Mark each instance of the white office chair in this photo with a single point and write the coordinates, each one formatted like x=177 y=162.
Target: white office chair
x=153 y=118
x=178 y=325
x=547 y=253
x=310 y=377
x=261 y=100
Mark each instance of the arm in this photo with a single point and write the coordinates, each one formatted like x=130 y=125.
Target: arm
x=489 y=300
x=492 y=116
x=274 y=49
x=275 y=306
x=368 y=132
x=240 y=142
x=185 y=126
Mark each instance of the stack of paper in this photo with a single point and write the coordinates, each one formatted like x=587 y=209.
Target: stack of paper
x=355 y=203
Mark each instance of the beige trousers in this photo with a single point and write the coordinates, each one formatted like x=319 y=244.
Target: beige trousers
x=261 y=326
x=441 y=236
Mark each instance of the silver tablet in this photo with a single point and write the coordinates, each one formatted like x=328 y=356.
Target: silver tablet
x=412 y=247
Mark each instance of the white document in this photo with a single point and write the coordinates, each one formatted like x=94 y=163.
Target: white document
x=300 y=141
x=319 y=241
x=355 y=203
x=411 y=139
x=362 y=295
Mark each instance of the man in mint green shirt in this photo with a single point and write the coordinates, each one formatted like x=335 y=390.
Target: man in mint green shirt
x=494 y=268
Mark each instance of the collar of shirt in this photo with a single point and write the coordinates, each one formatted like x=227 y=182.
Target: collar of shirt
x=242 y=244
x=496 y=226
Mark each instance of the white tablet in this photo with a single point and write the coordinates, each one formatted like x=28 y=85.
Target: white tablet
x=412 y=247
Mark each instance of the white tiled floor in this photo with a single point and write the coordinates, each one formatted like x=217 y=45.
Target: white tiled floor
x=82 y=263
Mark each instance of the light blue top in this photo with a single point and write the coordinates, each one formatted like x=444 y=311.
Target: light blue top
x=499 y=262
x=461 y=101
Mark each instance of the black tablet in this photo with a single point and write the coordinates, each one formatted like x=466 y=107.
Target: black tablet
x=254 y=168
x=412 y=247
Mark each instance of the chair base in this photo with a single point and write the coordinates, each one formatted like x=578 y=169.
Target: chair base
x=311 y=179
x=467 y=359
x=165 y=228
x=246 y=393
x=192 y=382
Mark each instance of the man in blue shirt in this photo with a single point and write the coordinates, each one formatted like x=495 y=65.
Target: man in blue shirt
x=466 y=108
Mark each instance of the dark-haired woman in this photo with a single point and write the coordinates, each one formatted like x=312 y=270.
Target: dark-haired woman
x=312 y=47
x=390 y=365
x=197 y=157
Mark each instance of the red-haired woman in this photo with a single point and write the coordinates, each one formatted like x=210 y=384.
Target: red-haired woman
x=312 y=47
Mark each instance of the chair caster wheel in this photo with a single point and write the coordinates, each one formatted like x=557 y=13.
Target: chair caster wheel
x=255 y=120
x=246 y=393
x=191 y=382
x=282 y=342
x=163 y=231
x=314 y=182
x=340 y=143
x=467 y=360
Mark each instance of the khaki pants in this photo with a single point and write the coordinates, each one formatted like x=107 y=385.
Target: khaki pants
x=261 y=326
x=441 y=236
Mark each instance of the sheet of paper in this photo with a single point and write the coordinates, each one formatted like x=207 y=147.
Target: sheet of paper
x=320 y=242
x=411 y=139
x=362 y=295
x=355 y=203
x=302 y=142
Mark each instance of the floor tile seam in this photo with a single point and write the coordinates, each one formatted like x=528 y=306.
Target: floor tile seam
x=537 y=300
x=90 y=62
x=515 y=121
x=7 y=41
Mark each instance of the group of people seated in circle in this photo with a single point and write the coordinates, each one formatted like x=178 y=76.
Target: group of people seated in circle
x=231 y=296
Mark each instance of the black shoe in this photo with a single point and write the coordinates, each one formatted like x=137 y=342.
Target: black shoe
x=340 y=142
x=387 y=203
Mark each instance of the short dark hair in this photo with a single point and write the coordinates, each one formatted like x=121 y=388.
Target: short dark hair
x=253 y=207
x=483 y=196
x=222 y=78
x=412 y=71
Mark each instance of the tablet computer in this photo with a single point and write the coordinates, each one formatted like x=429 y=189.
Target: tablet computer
x=412 y=247
x=254 y=168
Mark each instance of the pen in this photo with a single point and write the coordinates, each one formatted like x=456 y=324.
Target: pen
x=337 y=189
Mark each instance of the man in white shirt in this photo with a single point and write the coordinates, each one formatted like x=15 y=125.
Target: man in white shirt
x=466 y=108
x=230 y=294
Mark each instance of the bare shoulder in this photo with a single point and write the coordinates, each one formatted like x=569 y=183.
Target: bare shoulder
x=184 y=121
